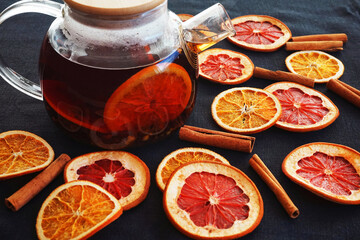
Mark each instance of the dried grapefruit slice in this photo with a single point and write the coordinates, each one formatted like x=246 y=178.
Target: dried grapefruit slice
x=245 y=110
x=121 y=173
x=208 y=200
x=23 y=152
x=317 y=65
x=329 y=170
x=303 y=109
x=149 y=99
x=225 y=66
x=260 y=33
x=181 y=156
x=76 y=210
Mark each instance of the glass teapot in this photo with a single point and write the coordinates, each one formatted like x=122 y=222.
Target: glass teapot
x=118 y=74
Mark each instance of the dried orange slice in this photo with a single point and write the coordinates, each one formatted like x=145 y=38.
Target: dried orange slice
x=181 y=156
x=329 y=170
x=76 y=210
x=245 y=110
x=149 y=99
x=260 y=33
x=208 y=200
x=317 y=65
x=23 y=152
x=303 y=109
x=184 y=16
x=122 y=174
x=225 y=66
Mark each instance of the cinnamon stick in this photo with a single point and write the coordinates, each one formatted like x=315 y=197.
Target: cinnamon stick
x=270 y=180
x=322 y=37
x=219 y=139
x=315 y=45
x=344 y=90
x=32 y=188
x=283 y=76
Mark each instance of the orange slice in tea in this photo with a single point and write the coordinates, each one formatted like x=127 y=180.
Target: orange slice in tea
x=260 y=33
x=121 y=173
x=181 y=156
x=225 y=66
x=329 y=170
x=208 y=200
x=303 y=109
x=317 y=65
x=76 y=210
x=23 y=152
x=149 y=99
x=245 y=110
x=71 y=113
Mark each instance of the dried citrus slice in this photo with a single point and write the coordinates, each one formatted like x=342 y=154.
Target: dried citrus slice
x=121 y=173
x=225 y=66
x=245 y=110
x=181 y=156
x=149 y=99
x=329 y=170
x=208 y=200
x=260 y=33
x=184 y=16
x=303 y=109
x=317 y=65
x=76 y=210
x=23 y=152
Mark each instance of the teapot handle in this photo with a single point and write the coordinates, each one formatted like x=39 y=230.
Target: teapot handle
x=26 y=6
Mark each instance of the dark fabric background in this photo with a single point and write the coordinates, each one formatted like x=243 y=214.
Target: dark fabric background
x=20 y=40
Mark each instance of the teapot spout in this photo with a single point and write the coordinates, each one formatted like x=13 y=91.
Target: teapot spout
x=207 y=28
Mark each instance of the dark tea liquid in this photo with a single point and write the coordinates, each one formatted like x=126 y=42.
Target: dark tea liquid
x=137 y=111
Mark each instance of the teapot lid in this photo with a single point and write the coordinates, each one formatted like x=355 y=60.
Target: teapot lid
x=113 y=7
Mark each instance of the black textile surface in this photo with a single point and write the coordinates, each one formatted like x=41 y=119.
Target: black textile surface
x=20 y=39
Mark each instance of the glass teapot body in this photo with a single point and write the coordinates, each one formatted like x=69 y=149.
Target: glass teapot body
x=116 y=83
x=118 y=74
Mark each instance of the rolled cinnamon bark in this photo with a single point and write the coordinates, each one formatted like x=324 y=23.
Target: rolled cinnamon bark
x=322 y=37
x=283 y=76
x=344 y=90
x=32 y=188
x=314 y=45
x=219 y=139
x=270 y=180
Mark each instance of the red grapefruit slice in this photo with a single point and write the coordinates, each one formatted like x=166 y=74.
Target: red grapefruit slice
x=303 y=109
x=326 y=169
x=260 y=33
x=225 y=66
x=121 y=173
x=208 y=200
